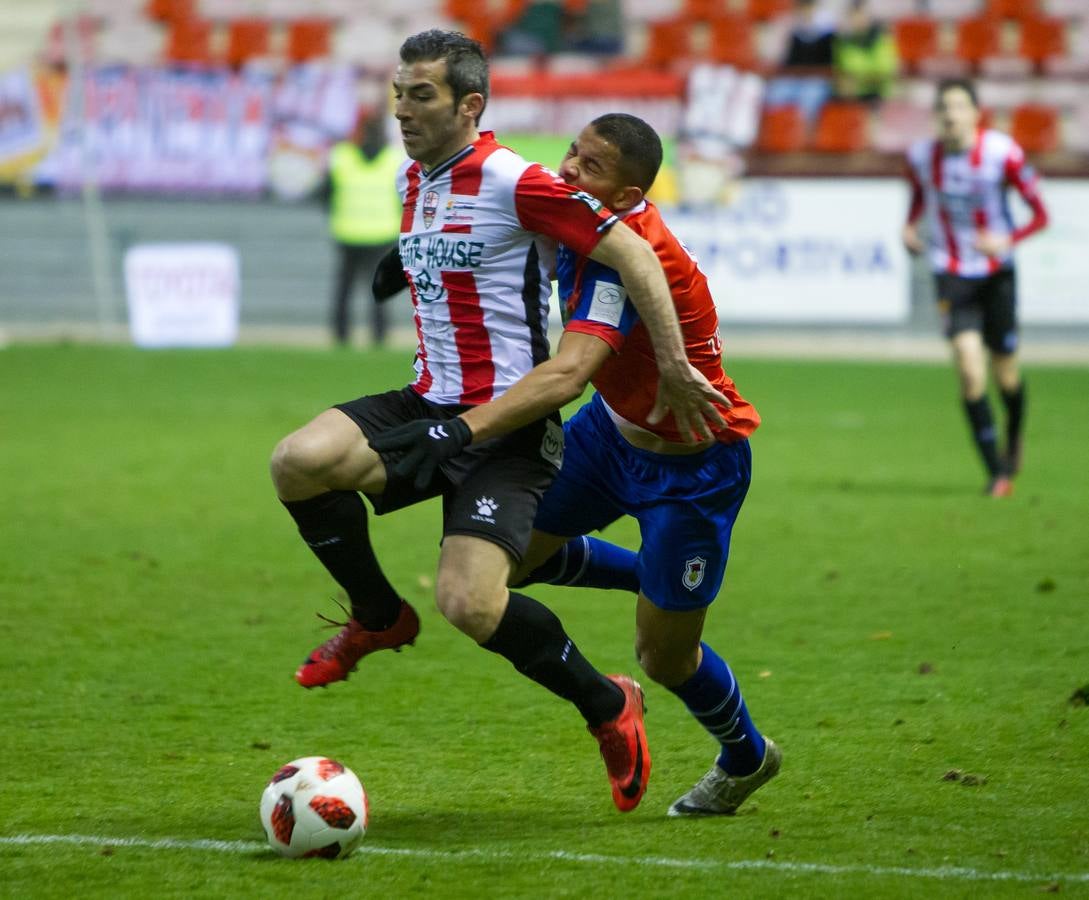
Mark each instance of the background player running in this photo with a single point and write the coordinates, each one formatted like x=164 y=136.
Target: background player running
x=470 y=243
x=623 y=458
x=960 y=181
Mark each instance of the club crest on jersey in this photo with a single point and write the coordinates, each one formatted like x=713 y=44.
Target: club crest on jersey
x=694 y=570
x=431 y=206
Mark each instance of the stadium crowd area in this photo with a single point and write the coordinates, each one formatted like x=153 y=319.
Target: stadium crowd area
x=1030 y=57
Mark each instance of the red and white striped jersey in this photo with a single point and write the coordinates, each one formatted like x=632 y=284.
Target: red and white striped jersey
x=966 y=193
x=478 y=269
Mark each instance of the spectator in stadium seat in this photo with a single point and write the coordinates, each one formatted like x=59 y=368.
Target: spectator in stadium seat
x=959 y=182
x=474 y=250
x=805 y=77
x=619 y=460
x=538 y=31
x=596 y=29
x=364 y=216
x=864 y=56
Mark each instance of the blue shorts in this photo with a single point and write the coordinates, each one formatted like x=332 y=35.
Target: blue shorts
x=685 y=505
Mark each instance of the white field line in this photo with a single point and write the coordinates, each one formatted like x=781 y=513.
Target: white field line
x=942 y=873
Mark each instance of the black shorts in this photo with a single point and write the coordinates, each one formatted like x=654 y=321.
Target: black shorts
x=987 y=305
x=490 y=490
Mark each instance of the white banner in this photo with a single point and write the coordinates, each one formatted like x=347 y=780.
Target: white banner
x=20 y=116
x=1053 y=265
x=182 y=295
x=208 y=131
x=805 y=251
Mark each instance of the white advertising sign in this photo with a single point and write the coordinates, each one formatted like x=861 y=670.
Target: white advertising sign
x=805 y=251
x=182 y=295
x=1053 y=265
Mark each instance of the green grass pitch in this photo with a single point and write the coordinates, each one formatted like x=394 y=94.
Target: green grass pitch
x=888 y=624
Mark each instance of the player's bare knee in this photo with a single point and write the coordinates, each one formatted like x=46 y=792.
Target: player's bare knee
x=465 y=611
x=296 y=461
x=665 y=666
x=972 y=385
x=280 y=463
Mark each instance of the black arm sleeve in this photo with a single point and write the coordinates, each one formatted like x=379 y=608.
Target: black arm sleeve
x=389 y=276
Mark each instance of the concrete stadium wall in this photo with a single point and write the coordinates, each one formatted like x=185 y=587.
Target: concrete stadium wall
x=45 y=266
x=286 y=260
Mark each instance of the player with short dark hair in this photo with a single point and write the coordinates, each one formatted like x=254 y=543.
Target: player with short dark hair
x=959 y=181
x=474 y=255
x=619 y=459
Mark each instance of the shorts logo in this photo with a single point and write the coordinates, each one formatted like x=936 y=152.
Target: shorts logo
x=431 y=206
x=694 y=569
x=485 y=509
x=552 y=444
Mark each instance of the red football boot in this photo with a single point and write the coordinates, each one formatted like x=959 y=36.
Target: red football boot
x=337 y=658
x=624 y=747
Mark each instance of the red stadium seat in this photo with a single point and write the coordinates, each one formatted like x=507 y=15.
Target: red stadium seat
x=977 y=39
x=482 y=27
x=916 y=40
x=1035 y=127
x=733 y=42
x=189 y=41
x=308 y=39
x=703 y=10
x=1012 y=9
x=842 y=127
x=762 y=10
x=170 y=10
x=247 y=39
x=782 y=130
x=498 y=13
x=668 y=41
x=1042 y=39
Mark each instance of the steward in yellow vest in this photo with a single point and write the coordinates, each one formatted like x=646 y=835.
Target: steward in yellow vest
x=364 y=217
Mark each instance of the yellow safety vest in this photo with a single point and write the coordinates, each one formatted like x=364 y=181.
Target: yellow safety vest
x=364 y=207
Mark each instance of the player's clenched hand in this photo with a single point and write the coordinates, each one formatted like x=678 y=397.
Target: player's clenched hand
x=992 y=243
x=684 y=391
x=427 y=444
x=912 y=241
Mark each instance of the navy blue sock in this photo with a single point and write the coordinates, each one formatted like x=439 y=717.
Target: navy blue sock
x=588 y=562
x=713 y=696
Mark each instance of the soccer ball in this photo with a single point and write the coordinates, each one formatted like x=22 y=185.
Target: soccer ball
x=314 y=806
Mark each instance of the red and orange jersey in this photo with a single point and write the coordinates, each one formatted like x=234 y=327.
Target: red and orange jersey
x=596 y=303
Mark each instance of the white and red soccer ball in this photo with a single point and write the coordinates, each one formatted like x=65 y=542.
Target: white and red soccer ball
x=314 y=806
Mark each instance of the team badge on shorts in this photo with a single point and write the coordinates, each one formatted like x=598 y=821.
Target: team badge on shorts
x=694 y=570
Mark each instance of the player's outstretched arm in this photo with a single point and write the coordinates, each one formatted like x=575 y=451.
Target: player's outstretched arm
x=542 y=390
x=682 y=389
